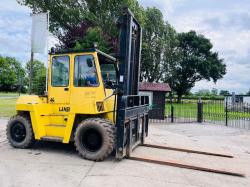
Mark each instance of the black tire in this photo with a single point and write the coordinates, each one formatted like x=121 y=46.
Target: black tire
x=19 y=132
x=95 y=139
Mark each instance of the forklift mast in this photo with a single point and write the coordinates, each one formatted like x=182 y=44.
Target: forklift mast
x=130 y=53
x=132 y=109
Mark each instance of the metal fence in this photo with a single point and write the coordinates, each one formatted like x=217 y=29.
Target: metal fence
x=226 y=112
x=179 y=112
x=223 y=112
x=214 y=111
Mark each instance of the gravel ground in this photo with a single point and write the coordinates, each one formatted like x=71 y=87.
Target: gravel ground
x=56 y=164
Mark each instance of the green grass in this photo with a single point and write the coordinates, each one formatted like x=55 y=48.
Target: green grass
x=211 y=111
x=187 y=110
x=7 y=107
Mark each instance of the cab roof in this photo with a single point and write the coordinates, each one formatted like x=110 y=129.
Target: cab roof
x=71 y=51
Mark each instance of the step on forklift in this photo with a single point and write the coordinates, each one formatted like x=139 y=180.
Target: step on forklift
x=93 y=101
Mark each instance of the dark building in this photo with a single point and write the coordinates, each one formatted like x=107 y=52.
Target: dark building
x=157 y=93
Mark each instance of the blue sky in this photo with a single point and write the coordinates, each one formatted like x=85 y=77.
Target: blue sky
x=225 y=22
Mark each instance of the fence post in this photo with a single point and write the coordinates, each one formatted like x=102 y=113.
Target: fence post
x=200 y=111
x=172 y=114
x=172 y=108
x=226 y=111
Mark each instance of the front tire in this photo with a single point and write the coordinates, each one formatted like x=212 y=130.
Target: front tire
x=19 y=132
x=94 y=139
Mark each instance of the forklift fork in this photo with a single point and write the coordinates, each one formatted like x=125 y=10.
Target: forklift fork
x=187 y=150
x=184 y=165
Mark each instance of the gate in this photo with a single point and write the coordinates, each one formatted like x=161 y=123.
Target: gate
x=238 y=111
x=181 y=112
x=230 y=111
x=214 y=111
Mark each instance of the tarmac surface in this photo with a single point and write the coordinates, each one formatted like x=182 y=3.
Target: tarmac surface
x=56 y=164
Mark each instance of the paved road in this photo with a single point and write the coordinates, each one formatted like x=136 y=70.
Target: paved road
x=55 y=164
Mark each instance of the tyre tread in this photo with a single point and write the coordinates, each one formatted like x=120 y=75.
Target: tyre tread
x=28 y=142
x=109 y=128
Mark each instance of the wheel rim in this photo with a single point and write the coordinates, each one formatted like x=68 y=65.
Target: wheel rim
x=91 y=140
x=18 y=132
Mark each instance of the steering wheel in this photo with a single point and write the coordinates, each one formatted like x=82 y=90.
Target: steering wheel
x=109 y=84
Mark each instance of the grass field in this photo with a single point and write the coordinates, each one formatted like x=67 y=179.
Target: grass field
x=187 y=110
x=7 y=107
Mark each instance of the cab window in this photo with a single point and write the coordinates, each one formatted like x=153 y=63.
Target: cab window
x=60 y=71
x=85 y=71
x=108 y=72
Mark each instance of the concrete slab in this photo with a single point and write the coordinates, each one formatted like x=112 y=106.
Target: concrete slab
x=55 y=164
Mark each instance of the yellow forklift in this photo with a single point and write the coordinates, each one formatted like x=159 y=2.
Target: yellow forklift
x=93 y=101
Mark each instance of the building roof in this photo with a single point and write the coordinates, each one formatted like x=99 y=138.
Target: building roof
x=160 y=87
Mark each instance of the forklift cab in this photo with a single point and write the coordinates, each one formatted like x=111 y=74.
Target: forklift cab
x=75 y=76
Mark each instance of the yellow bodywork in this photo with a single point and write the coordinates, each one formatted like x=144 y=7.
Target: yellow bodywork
x=55 y=115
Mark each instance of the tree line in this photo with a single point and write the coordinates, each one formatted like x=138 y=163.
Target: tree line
x=215 y=92
x=180 y=59
x=15 y=78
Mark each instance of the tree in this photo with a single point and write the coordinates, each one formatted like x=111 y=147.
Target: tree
x=93 y=34
x=38 y=77
x=70 y=20
x=156 y=47
x=193 y=61
x=11 y=73
x=224 y=92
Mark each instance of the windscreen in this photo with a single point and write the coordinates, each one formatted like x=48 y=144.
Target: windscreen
x=60 y=71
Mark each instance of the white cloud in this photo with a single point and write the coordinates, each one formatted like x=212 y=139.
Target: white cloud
x=12 y=6
x=229 y=38
x=166 y=6
x=237 y=80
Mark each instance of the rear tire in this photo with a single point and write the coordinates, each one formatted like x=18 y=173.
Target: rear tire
x=94 y=139
x=19 y=132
